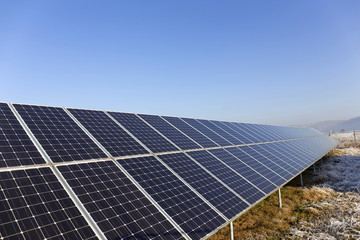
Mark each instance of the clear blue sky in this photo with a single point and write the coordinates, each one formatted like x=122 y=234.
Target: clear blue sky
x=278 y=62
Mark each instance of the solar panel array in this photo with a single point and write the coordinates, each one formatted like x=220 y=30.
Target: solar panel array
x=86 y=174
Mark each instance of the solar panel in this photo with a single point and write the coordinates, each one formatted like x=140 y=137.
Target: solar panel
x=207 y=132
x=16 y=148
x=291 y=165
x=186 y=208
x=191 y=132
x=254 y=130
x=221 y=132
x=237 y=134
x=127 y=176
x=274 y=163
x=210 y=188
x=111 y=136
x=148 y=136
x=241 y=130
x=278 y=148
x=116 y=204
x=257 y=166
x=178 y=138
x=62 y=139
x=34 y=205
x=227 y=175
x=233 y=157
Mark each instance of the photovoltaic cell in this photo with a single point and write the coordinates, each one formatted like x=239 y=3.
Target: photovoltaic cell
x=116 y=204
x=291 y=165
x=210 y=188
x=257 y=166
x=110 y=135
x=191 y=132
x=148 y=136
x=244 y=170
x=254 y=130
x=295 y=151
x=178 y=138
x=235 y=181
x=246 y=133
x=207 y=132
x=221 y=132
x=62 y=139
x=34 y=205
x=269 y=168
x=16 y=148
x=237 y=134
x=192 y=214
x=275 y=164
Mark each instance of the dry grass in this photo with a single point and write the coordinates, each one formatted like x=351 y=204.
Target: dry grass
x=267 y=221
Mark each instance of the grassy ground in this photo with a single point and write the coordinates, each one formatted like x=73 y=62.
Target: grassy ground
x=267 y=221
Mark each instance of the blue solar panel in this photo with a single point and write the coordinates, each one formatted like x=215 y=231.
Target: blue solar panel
x=257 y=166
x=207 y=132
x=237 y=134
x=116 y=204
x=150 y=188
x=221 y=132
x=274 y=168
x=191 y=132
x=178 y=138
x=273 y=162
x=148 y=136
x=62 y=139
x=231 y=159
x=229 y=176
x=16 y=148
x=34 y=205
x=192 y=214
x=111 y=136
x=210 y=188
x=243 y=131
x=291 y=165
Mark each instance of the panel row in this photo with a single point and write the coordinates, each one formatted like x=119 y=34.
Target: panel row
x=199 y=191
x=63 y=134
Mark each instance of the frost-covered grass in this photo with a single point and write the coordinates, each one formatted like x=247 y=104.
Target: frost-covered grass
x=339 y=216
x=328 y=208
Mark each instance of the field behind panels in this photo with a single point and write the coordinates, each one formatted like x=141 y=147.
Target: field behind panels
x=84 y=174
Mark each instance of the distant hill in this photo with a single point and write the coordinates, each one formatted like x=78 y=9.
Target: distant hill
x=329 y=126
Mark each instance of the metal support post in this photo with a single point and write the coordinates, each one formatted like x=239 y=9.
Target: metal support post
x=321 y=163
x=280 y=203
x=354 y=137
x=231 y=230
x=301 y=180
x=314 y=168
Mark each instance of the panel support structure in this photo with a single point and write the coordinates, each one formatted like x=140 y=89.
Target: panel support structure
x=231 y=226
x=301 y=180
x=280 y=202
